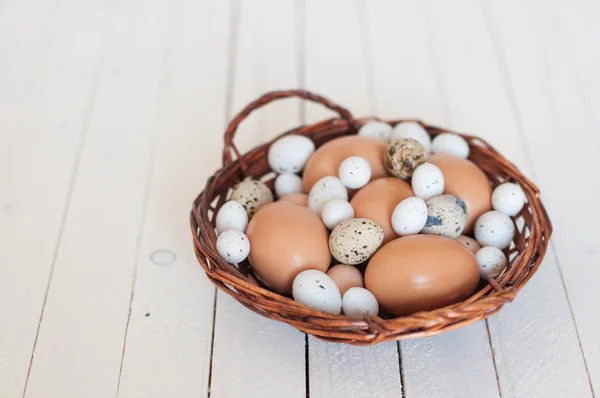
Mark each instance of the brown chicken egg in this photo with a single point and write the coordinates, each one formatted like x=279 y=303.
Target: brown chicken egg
x=345 y=277
x=327 y=159
x=421 y=273
x=285 y=239
x=467 y=181
x=298 y=198
x=377 y=201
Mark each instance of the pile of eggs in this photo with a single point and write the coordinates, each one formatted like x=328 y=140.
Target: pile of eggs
x=388 y=218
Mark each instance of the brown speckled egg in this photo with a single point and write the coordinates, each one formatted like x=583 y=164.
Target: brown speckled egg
x=354 y=241
x=469 y=243
x=298 y=198
x=446 y=216
x=377 y=201
x=327 y=159
x=252 y=194
x=345 y=277
x=404 y=156
x=465 y=180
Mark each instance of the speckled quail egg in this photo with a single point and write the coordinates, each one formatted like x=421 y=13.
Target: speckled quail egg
x=336 y=211
x=315 y=289
x=494 y=229
x=427 y=181
x=288 y=183
x=492 y=262
x=253 y=195
x=376 y=129
x=358 y=301
x=412 y=130
x=233 y=246
x=354 y=172
x=354 y=241
x=231 y=215
x=403 y=157
x=289 y=154
x=446 y=216
x=410 y=216
x=469 y=243
x=508 y=198
x=324 y=191
x=452 y=144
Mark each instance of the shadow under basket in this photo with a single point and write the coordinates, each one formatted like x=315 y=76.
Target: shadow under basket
x=533 y=229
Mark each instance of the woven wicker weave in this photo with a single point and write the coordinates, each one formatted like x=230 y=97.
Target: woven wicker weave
x=533 y=229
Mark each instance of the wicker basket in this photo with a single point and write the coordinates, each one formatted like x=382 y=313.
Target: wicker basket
x=525 y=255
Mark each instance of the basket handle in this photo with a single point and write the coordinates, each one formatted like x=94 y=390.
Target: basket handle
x=230 y=147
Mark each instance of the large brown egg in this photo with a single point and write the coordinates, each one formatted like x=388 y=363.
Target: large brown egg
x=298 y=198
x=467 y=181
x=327 y=159
x=377 y=201
x=285 y=239
x=421 y=273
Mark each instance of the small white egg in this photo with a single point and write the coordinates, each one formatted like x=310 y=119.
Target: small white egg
x=508 y=198
x=494 y=229
x=325 y=190
x=427 y=181
x=410 y=216
x=233 y=246
x=412 y=130
x=354 y=172
x=452 y=144
x=289 y=154
x=358 y=301
x=315 y=289
x=336 y=211
x=376 y=129
x=492 y=262
x=231 y=215
x=288 y=183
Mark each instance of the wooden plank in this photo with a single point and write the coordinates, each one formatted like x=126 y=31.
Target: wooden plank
x=168 y=341
x=84 y=320
x=250 y=349
x=46 y=116
x=335 y=67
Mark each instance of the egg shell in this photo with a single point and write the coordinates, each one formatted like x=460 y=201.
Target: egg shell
x=346 y=276
x=286 y=239
x=410 y=216
x=376 y=129
x=377 y=201
x=327 y=159
x=446 y=216
x=492 y=262
x=427 y=181
x=354 y=241
x=354 y=172
x=451 y=144
x=403 y=157
x=420 y=273
x=336 y=211
x=469 y=243
x=494 y=229
x=508 y=198
x=253 y=195
x=325 y=190
x=298 y=198
x=233 y=246
x=231 y=215
x=358 y=302
x=287 y=184
x=290 y=153
x=464 y=179
x=316 y=290
x=412 y=130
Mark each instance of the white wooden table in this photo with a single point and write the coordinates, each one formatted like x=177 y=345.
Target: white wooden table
x=111 y=120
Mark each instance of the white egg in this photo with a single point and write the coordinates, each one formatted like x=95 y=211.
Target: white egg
x=412 y=130
x=233 y=246
x=325 y=190
x=494 y=229
x=427 y=181
x=492 y=262
x=336 y=211
x=354 y=172
x=376 y=129
x=410 y=216
x=288 y=183
x=289 y=154
x=508 y=198
x=231 y=215
x=358 y=301
x=315 y=289
x=452 y=144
